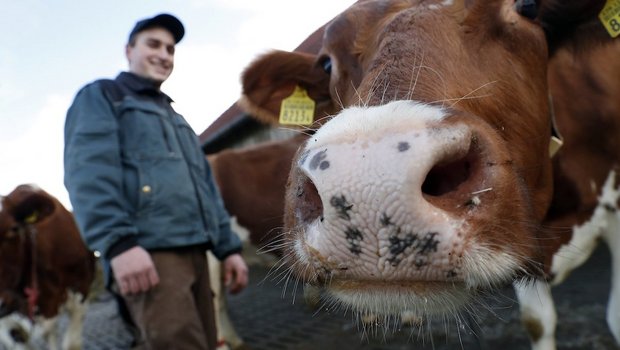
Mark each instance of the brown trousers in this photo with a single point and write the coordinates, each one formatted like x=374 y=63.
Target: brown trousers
x=178 y=313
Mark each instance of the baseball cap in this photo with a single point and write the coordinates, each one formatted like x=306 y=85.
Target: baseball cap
x=164 y=20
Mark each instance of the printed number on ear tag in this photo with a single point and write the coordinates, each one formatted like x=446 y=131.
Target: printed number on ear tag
x=610 y=17
x=297 y=109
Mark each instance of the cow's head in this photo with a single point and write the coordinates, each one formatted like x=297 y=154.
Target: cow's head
x=25 y=206
x=429 y=180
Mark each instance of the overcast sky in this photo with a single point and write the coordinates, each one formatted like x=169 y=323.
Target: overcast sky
x=50 y=49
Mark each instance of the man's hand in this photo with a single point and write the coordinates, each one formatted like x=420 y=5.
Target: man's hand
x=235 y=273
x=134 y=271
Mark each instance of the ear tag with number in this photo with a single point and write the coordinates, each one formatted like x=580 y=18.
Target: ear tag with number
x=297 y=109
x=610 y=17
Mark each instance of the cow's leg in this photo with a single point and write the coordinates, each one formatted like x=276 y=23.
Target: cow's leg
x=76 y=310
x=609 y=205
x=15 y=332
x=227 y=330
x=613 y=307
x=537 y=313
x=47 y=329
x=217 y=287
x=227 y=337
x=584 y=240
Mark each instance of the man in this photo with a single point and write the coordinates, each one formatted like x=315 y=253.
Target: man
x=143 y=195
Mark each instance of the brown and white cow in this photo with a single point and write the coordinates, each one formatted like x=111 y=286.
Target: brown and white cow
x=252 y=184
x=43 y=261
x=585 y=86
x=430 y=182
x=251 y=181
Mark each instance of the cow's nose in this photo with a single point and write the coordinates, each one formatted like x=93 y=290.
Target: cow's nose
x=454 y=181
x=371 y=179
x=308 y=204
x=391 y=186
x=418 y=171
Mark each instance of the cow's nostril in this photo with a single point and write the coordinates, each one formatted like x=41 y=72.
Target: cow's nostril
x=309 y=205
x=447 y=176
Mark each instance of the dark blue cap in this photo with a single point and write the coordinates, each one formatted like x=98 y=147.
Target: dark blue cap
x=164 y=20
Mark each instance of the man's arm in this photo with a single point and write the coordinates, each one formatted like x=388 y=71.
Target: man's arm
x=134 y=271
x=94 y=180
x=235 y=273
x=93 y=170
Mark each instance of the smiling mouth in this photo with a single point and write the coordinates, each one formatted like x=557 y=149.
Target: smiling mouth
x=162 y=69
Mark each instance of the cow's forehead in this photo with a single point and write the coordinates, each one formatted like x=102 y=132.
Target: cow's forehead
x=383 y=12
x=390 y=50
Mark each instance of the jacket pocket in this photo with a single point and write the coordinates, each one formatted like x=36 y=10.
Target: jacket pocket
x=188 y=141
x=142 y=130
x=137 y=186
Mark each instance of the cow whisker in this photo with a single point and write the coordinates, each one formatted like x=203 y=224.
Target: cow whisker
x=468 y=96
x=414 y=82
x=338 y=99
x=299 y=131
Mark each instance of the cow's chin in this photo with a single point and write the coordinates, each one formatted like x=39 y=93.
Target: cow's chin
x=423 y=299
x=482 y=270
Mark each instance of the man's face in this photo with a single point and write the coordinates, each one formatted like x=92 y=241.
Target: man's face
x=152 y=54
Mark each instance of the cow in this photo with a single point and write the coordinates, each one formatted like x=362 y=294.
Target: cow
x=585 y=86
x=428 y=180
x=251 y=181
x=44 y=264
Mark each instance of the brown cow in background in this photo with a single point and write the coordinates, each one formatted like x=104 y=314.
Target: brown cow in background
x=44 y=263
x=584 y=84
x=252 y=183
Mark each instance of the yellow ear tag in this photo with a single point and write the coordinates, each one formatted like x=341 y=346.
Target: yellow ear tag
x=297 y=109
x=32 y=218
x=610 y=17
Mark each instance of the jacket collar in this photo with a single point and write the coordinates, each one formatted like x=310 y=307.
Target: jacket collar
x=141 y=85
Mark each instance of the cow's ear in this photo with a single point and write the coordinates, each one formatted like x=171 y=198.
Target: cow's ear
x=273 y=77
x=31 y=206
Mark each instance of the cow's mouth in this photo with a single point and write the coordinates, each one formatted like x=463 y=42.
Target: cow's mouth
x=424 y=299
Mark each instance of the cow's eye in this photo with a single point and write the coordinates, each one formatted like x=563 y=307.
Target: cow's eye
x=326 y=63
x=527 y=8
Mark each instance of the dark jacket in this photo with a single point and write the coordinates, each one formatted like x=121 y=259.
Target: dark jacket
x=136 y=174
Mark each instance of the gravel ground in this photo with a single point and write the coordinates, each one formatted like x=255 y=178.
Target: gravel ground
x=267 y=320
